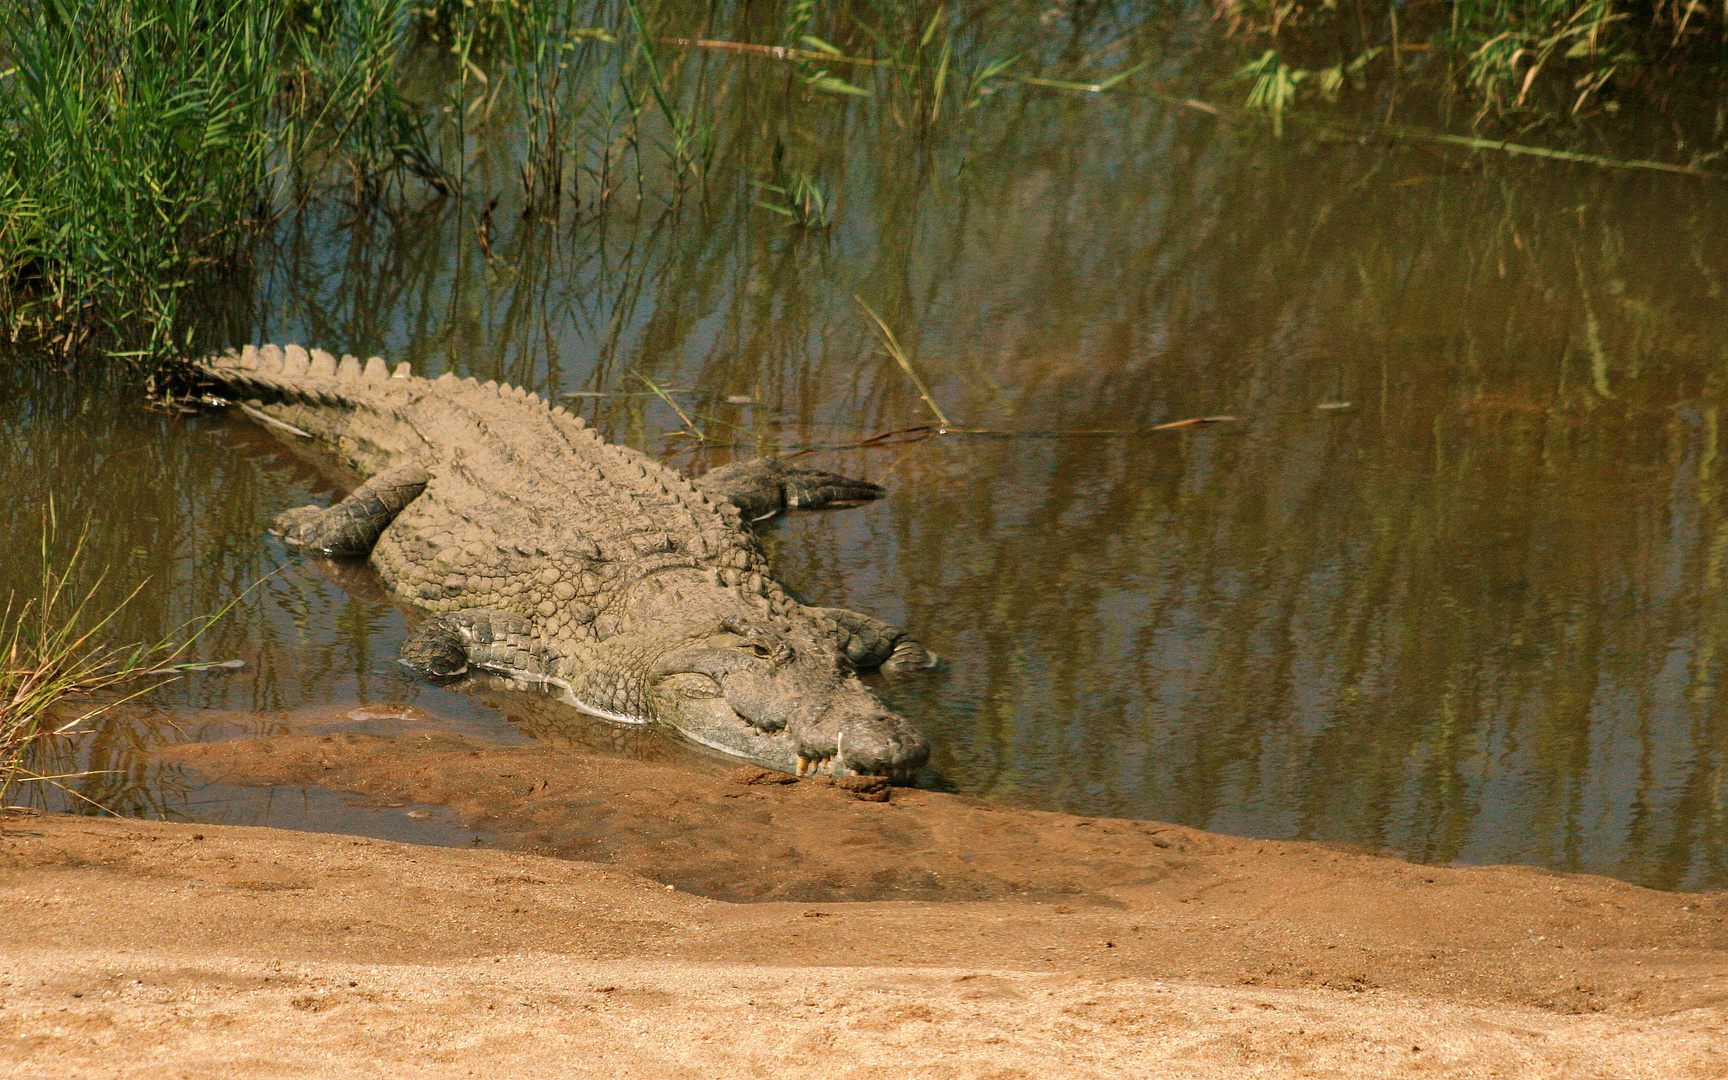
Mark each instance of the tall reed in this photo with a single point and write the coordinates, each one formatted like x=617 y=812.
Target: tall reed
x=143 y=142
x=132 y=150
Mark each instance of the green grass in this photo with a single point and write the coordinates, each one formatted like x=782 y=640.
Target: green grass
x=56 y=670
x=132 y=151
x=144 y=143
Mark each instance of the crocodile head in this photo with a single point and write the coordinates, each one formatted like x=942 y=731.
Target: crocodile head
x=779 y=695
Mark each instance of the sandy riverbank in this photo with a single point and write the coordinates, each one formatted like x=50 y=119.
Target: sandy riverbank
x=806 y=932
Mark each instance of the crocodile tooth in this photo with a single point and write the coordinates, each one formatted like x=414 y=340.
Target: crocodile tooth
x=375 y=369
x=403 y=370
x=322 y=363
x=348 y=368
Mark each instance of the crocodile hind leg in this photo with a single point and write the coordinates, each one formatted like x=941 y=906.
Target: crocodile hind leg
x=352 y=526
x=446 y=646
x=769 y=486
x=870 y=644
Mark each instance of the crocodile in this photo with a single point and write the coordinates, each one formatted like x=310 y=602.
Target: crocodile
x=534 y=548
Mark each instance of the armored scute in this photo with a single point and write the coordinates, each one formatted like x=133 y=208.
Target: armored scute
x=538 y=550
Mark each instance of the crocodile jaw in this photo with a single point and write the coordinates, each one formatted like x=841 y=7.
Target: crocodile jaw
x=775 y=750
x=796 y=713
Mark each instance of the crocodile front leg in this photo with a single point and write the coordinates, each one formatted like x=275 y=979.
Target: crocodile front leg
x=445 y=646
x=871 y=644
x=352 y=526
x=769 y=486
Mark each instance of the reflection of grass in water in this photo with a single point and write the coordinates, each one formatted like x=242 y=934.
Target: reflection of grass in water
x=52 y=655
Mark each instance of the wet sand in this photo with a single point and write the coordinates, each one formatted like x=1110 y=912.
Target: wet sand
x=642 y=919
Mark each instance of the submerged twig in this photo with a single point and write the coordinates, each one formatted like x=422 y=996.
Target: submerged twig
x=199 y=665
x=776 y=52
x=1543 y=152
x=920 y=432
x=782 y=52
x=1424 y=135
x=1194 y=421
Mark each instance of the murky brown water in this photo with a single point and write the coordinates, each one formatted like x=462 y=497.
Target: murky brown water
x=1451 y=584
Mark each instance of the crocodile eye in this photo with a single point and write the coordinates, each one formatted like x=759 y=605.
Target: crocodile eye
x=761 y=650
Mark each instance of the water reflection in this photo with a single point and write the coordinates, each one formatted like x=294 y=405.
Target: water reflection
x=1476 y=614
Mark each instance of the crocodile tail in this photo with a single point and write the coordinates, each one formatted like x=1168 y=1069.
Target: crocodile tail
x=307 y=393
x=292 y=371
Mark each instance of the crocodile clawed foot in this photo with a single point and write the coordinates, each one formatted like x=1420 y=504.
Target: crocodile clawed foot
x=353 y=525
x=437 y=649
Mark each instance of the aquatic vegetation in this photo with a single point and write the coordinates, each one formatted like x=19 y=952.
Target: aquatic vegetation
x=56 y=670
x=802 y=199
x=1521 y=60
x=891 y=345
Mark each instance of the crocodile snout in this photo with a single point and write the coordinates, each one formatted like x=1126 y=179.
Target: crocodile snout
x=875 y=744
x=884 y=745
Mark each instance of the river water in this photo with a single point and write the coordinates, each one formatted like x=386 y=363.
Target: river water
x=1450 y=580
